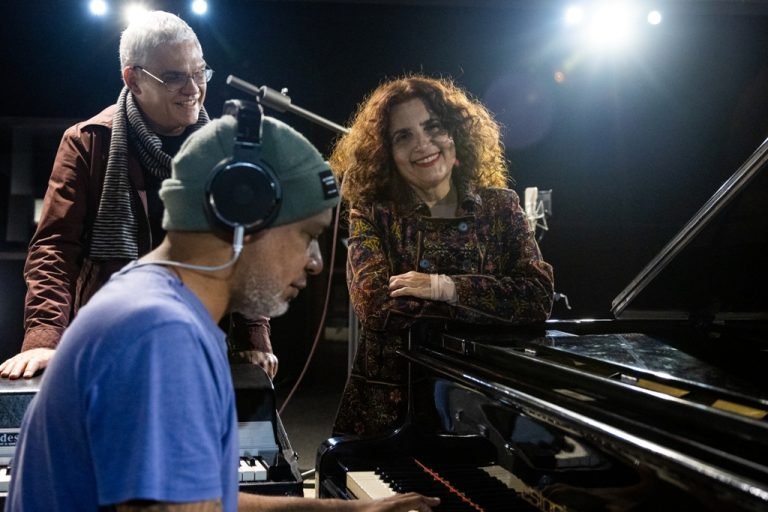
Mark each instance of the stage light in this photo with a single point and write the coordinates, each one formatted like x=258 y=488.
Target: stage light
x=199 y=7
x=607 y=25
x=98 y=7
x=574 y=15
x=134 y=11
x=610 y=26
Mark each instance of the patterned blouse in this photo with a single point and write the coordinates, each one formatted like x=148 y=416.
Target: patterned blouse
x=488 y=250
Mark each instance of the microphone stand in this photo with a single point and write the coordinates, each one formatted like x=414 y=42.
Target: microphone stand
x=281 y=102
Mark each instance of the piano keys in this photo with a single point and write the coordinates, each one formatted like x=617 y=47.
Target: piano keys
x=267 y=464
x=15 y=396
x=5 y=479
x=252 y=469
x=662 y=407
x=459 y=486
x=369 y=485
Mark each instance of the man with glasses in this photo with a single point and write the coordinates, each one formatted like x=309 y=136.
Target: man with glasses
x=102 y=208
x=173 y=81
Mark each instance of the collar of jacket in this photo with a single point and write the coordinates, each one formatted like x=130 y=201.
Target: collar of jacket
x=470 y=200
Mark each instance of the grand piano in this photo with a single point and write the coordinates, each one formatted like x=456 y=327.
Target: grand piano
x=662 y=407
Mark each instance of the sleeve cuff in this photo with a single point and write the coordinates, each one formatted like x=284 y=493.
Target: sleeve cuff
x=250 y=334
x=44 y=337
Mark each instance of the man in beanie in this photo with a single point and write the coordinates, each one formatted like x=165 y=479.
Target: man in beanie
x=137 y=410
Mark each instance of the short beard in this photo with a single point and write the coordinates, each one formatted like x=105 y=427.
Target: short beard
x=258 y=296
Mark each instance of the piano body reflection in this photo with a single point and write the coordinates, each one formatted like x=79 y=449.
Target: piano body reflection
x=663 y=407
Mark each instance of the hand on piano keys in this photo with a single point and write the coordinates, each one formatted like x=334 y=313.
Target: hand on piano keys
x=396 y=502
x=460 y=488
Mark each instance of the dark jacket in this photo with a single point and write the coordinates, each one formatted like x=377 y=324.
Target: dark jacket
x=59 y=274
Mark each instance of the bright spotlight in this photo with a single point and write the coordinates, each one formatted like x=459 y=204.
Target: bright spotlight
x=611 y=26
x=98 y=7
x=199 y=7
x=574 y=15
x=654 y=17
x=134 y=11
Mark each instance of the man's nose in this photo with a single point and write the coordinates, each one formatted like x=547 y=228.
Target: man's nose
x=193 y=88
x=315 y=262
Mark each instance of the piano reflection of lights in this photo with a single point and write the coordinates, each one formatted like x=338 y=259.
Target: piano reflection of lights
x=664 y=407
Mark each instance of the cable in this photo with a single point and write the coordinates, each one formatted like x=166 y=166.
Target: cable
x=325 y=311
x=281 y=102
x=237 y=248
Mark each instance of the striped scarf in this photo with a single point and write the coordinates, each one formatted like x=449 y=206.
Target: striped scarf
x=116 y=228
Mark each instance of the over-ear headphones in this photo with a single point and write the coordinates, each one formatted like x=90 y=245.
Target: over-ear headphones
x=243 y=192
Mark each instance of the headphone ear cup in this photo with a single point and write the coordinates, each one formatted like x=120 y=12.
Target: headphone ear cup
x=243 y=194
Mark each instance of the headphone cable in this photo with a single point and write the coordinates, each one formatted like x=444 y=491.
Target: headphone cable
x=237 y=248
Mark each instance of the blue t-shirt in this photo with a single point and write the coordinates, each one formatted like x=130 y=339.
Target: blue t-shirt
x=137 y=404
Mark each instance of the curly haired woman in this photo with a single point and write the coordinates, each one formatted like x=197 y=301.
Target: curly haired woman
x=433 y=233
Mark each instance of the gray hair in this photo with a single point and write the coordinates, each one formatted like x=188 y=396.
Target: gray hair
x=150 y=30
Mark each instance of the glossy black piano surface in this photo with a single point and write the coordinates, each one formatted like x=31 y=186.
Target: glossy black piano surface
x=663 y=407
x=591 y=422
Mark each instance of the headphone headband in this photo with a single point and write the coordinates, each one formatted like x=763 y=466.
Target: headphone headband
x=243 y=191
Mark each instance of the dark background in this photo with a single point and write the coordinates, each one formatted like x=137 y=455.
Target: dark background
x=631 y=144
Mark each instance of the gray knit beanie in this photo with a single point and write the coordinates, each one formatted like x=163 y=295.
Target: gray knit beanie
x=308 y=186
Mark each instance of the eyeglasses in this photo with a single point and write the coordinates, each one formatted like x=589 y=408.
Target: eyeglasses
x=173 y=81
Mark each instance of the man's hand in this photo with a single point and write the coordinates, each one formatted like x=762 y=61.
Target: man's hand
x=397 y=503
x=400 y=503
x=27 y=363
x=266 y=360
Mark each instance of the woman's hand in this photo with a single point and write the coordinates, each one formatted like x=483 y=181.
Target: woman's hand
x=437 y=287
x=414 y=284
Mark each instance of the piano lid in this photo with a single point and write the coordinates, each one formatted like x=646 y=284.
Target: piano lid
x=715 y=268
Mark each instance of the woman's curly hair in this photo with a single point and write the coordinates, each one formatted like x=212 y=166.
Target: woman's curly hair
x=362 y=159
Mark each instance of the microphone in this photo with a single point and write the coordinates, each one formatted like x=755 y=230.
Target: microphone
x=538 y=207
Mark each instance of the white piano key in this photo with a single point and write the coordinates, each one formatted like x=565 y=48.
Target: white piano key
x=252 y=469
x=245 y=472
x=259 y=470
x=367 y=485
x=5 y=478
